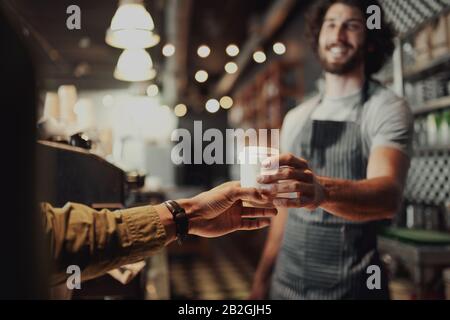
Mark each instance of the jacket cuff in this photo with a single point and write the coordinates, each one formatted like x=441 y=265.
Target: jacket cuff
x=147 y=234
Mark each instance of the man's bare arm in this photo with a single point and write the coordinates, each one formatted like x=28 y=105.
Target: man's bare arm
x=377 y=197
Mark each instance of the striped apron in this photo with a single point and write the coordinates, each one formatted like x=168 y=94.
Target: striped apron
x=323 y=256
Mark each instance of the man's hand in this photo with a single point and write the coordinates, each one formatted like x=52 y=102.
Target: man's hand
x=375 y=198
x=219 y=211
x=293 y=175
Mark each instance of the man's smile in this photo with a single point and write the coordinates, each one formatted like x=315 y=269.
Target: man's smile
x=338 y=51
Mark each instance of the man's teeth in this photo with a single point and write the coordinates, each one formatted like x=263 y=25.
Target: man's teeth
x=337 y=50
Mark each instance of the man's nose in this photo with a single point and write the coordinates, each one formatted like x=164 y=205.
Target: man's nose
x=339 y=34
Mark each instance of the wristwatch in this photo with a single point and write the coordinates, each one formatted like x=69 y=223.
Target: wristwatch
x=180 y=218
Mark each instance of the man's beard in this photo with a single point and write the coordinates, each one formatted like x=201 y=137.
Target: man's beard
x=352 y=63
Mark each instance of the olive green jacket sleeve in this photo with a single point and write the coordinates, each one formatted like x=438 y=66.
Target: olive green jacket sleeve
x=99 y=241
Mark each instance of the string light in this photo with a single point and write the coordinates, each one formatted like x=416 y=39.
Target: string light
x=180 y=110
x=212 y=105
x=279 y=48
x=168 y=50
x=203 y=51
x=232 y=50
x=201 y=76
x=259 y=56
x=226 y=102
x=231 y=67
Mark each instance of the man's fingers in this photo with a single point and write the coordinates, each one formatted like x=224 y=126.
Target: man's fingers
x=285 y=159
x=294 y=186
x=254 y=224
x=258 y=212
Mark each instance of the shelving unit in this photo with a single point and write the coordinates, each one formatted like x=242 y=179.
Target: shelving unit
x=422 y=71
x=437 y=148
x=427 y=25
x=427 y=189
x=433 y=105
x=418 y=72
x=264 y=101
x=427 y=163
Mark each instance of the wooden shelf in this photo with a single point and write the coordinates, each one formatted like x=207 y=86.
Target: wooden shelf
x=433 y=105
x=419 y=150
x=421 y=71
x=264 y=97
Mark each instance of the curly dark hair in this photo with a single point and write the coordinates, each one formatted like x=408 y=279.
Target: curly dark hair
x=381 y=40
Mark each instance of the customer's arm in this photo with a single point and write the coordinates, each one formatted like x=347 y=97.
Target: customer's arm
x=98 y=241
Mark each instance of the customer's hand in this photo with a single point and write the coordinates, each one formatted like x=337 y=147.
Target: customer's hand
x=220 y=211
x=293 y=175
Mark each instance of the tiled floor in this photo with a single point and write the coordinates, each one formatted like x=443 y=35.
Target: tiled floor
x=222 y=274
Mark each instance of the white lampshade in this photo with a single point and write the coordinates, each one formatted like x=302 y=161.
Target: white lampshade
x=134 y=65
x=131 y=27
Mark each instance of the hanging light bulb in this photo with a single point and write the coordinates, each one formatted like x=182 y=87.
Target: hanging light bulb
x=152 y=90
x=134 y=65
x=131 y=27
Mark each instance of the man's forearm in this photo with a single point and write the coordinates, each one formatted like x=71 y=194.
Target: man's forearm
x=272 y=246
x=365 y=200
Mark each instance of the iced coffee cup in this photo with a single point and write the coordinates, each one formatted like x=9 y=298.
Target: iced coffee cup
x=250 y=159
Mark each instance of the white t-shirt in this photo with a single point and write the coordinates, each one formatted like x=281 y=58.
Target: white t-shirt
x=386 y=119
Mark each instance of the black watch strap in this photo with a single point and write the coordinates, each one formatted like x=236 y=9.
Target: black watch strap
x=180 y=218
